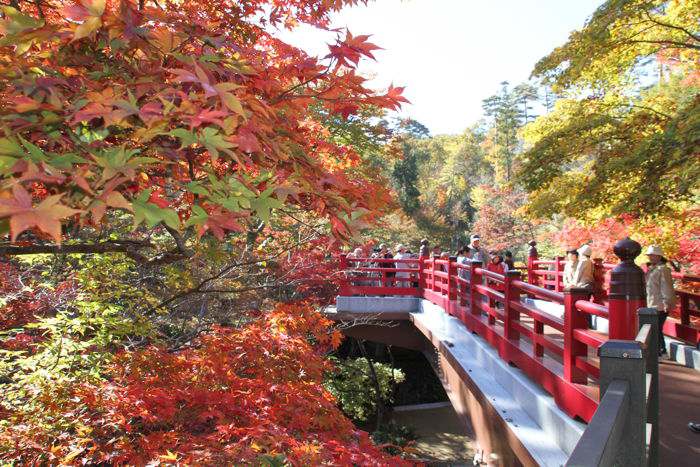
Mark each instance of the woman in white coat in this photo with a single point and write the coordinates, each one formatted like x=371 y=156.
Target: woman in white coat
x=401 y=254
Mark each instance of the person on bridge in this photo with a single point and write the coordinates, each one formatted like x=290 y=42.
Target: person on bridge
x=401 y=254
x=464 y=257
x=424 y=251
x=660 y=293
x=508 y=260
x=496 y=265
x=583 y=274
x=570 y=268
x=478 y=253
x=384 y=253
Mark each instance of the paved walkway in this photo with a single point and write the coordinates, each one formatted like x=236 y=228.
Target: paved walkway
x=679 y=404
x=442 y=439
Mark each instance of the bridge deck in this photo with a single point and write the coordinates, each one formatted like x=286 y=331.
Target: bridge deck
x=679 y=391
x=679 y=403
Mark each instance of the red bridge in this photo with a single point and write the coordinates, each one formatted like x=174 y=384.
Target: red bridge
x=543 y=331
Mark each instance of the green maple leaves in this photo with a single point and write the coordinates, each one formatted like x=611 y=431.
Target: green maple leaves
x=235 y=196
x=119 y=160
x=151 y=214
x=208 y=137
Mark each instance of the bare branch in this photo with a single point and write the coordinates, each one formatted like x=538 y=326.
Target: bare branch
x=114 y=246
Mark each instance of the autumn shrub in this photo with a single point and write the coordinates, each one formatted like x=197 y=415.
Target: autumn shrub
x=351 y=383
x=234 y=396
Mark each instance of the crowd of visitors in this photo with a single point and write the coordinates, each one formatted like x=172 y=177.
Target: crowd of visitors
x=403 y=258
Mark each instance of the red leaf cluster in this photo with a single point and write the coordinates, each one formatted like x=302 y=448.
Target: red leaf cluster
x=233 y=397
x=191 y=95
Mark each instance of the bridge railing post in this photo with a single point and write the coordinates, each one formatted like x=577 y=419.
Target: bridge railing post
x=684 y=308
x=510 y=313
x=558 y=268
x=421 y=275
x=624 y=360
x=616 y=433
x=463 y=287
x=452 y=282
x=343 y=266
x=627 y=291
x=433 y=280
x=598 y=280
x=574 y=319
x=475 y=279
x=650 y=316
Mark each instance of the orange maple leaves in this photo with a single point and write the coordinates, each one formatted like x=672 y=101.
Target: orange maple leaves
x=46 y=215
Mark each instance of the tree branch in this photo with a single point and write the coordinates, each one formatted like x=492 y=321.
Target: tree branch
x=669 y=44
x=672 y=26
x=302 y=83
x=179 y=241
x=127 y=246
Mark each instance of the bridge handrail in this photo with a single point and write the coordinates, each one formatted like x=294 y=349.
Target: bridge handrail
x=592 y=308
x=539 y=292
x=373 y=269
x=382 y=260
x=491 y=274
x=687 y=289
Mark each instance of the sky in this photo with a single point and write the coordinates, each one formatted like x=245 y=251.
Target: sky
x=452 y=54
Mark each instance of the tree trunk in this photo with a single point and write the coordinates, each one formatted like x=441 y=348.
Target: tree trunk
x=375 y=382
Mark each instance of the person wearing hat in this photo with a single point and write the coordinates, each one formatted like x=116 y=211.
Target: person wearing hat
x=478 y=253
x=401 y=254
x=583 y=274
x=660 y=293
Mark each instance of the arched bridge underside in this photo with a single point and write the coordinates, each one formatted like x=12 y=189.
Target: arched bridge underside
x=512 y=418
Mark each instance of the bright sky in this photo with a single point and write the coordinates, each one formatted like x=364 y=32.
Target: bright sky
x=451 y=54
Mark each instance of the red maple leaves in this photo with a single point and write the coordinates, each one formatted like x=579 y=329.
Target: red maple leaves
x=235 y=397
x=349 y=50
x=196 y=95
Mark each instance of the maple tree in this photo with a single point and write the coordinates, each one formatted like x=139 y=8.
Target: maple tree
x=190 y=115
x=614 y=144
x=679 y=237
x=500 y=220
x=178 y=161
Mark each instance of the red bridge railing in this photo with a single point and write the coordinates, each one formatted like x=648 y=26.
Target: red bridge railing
x=550 y=273
x=558 y=352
